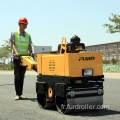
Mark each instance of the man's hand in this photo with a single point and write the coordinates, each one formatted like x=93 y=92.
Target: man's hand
x=31 y=54
x=17 y=54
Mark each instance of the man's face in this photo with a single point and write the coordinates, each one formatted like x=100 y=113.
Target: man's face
x=23 y=26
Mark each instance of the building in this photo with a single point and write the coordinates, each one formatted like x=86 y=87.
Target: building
x=41 y=49
x=109 y=50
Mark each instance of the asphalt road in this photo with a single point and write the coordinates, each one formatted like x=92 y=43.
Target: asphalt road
x=29 y=109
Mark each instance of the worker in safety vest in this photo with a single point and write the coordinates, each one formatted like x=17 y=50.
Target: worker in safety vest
x=21 y=44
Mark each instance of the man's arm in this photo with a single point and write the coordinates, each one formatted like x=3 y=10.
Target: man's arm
x=30 y=50
x=12 y=40
x=30 y=47
x=14 y=49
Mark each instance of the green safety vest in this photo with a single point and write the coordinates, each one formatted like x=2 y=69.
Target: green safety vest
x=21 y=43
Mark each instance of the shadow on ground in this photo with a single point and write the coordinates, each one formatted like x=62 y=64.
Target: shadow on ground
x=94 y=113
x=6 y=84
x=32 y=99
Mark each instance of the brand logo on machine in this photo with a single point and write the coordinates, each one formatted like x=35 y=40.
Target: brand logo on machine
x=86 y=58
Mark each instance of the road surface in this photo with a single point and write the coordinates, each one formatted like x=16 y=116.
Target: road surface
x=29 y=109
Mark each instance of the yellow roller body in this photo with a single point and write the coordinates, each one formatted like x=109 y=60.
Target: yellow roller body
x=69 y=64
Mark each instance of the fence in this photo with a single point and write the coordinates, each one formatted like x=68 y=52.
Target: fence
x=111 y=67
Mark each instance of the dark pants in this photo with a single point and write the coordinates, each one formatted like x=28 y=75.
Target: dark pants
x=19 y=73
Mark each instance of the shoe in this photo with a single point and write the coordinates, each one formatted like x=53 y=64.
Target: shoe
x=17 y=97
x=23 y=97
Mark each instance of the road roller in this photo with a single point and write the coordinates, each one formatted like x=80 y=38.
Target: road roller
x=70 y=78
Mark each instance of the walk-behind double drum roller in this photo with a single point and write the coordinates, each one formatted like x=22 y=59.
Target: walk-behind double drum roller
x=72 y=79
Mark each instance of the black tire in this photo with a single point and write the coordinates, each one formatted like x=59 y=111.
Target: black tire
x=42 y=101
x=61 y=105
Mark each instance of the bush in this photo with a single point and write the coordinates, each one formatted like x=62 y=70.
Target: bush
x=106 y=62
x=114 y=61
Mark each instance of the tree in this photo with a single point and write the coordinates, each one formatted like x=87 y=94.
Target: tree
x=115 y=27
x=5 y=51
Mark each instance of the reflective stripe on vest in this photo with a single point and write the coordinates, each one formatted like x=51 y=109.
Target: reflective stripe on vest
x=21 y=43
x=22 y=39
x=25 y=44
x=22 y=50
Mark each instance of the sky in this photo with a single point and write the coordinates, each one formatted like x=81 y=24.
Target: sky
x=50 y=20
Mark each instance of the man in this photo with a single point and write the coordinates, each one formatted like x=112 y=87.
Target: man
x=21 y=44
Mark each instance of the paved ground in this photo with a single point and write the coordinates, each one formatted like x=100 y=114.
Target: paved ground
x=29 y=109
